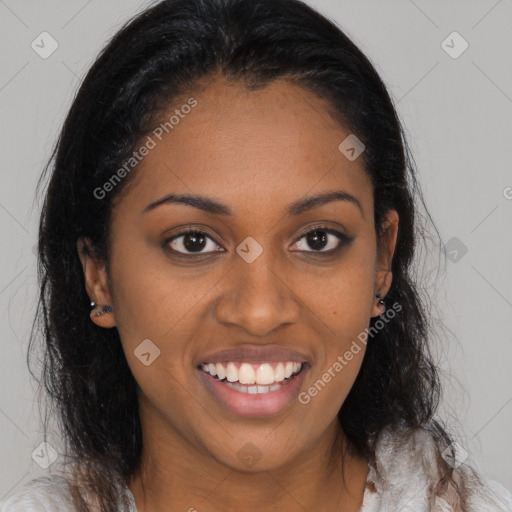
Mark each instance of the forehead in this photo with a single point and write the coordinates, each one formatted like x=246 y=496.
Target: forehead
x=252 y=149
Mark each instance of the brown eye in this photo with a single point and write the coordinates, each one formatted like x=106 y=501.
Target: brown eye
x=317 y=240
x=322 y=240
x=192 y=242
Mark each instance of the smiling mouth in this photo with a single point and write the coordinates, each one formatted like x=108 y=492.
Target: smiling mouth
x=253 y=378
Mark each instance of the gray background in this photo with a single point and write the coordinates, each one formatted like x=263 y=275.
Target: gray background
x=457 y=113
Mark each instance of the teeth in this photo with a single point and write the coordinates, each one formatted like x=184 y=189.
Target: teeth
x=265 y=374
x=279 y=373
x=246 y=374
x=288 y=369
x=231 y=373
x=253 y=390
x=262 y=375
x=221 y=372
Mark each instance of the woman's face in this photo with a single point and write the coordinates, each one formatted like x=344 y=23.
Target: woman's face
x=251 y=287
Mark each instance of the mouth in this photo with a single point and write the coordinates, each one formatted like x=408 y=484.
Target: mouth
x=251 y=389
x=253 y=378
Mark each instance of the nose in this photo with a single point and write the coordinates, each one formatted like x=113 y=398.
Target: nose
x=257 y=298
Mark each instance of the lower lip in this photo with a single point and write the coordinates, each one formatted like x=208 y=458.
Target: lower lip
x=259 y=405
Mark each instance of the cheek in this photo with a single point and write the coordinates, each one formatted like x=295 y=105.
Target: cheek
x=165 y=399
x=344 y=296
x=329 y=383
x=156 y=313
x=344 y=303
x=152 y=297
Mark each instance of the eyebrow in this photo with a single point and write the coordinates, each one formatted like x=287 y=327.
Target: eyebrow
x=209 y=205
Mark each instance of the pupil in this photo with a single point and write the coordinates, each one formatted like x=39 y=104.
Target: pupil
x=317 y=239
x=194 y=241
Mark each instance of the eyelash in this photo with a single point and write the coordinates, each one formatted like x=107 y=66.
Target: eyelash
x=344 y=241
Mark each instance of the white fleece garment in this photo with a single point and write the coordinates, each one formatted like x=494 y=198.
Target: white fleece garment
x=405 y=473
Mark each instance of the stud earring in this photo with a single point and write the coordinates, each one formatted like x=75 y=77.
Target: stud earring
x=382 y=304
x=104 y=310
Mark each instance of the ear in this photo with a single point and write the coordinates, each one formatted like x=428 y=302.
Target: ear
x=386 y=244
x=96 y=283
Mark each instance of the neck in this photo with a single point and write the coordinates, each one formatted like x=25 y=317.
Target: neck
x=176 y=476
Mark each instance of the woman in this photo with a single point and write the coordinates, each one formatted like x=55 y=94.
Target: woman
x=232 y=197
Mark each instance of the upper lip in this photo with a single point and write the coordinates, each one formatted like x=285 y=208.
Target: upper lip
x=255 y=354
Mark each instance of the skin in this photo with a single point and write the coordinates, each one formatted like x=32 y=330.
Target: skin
x=256 y=152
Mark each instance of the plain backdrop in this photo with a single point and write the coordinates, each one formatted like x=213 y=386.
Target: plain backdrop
x=456 y=108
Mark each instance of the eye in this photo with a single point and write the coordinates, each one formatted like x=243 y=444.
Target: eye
x=192 y=241
x=322 y=239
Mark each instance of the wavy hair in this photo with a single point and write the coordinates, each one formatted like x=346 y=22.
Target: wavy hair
x=164 y=52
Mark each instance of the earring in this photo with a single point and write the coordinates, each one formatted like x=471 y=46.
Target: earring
x=382 y=304
x=104 y=310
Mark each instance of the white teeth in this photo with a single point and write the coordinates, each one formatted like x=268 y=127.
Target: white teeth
x=288 y=370
x=246 y=374
x=231 y=372
x=221 y=372
x=253 y=390
x=279 y=373
x=264 y=375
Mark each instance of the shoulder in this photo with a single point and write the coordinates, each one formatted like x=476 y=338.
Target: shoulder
x=409 y=472
x=493 y=496
x=43 y=494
